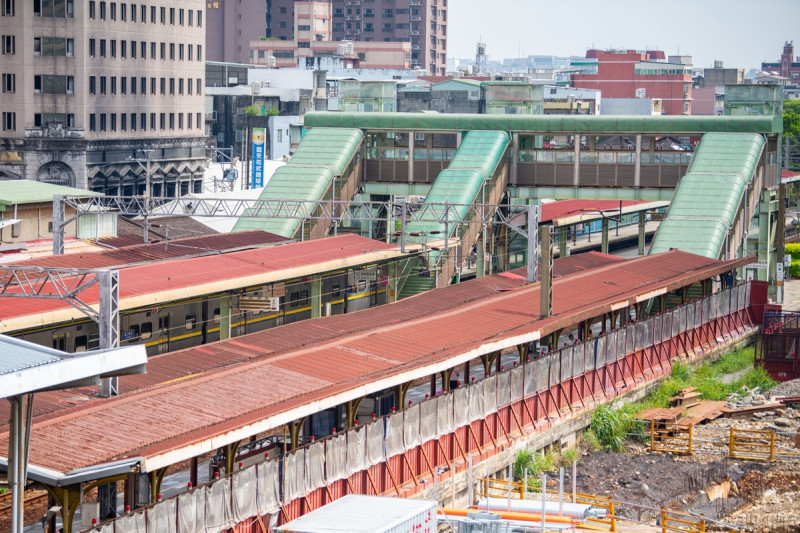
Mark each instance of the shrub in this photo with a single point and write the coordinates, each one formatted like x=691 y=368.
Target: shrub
x=680 y=370
x=522 y=460
x=568 y=456
x=589 y=440
x=609 y=427
x=792 y=249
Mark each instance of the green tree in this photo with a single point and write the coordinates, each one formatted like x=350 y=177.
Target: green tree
x=791 y=118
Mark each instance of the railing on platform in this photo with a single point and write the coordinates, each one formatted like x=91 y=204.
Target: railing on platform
x=675 y=440
x=390 y=454
x=683 y=522
x=752 y=444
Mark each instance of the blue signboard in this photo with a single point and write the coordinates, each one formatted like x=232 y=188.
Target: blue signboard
x=259 y=135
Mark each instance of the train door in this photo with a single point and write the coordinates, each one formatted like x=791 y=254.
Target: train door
x=163 y=331
x=60 y=341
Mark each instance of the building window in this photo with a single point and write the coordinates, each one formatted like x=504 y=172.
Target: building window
x=172 y=16
x=102 y=48
x=190 y=50
x=123 y=14
x=172 y=86
x=152 y=121
x=113 y=44
x=92 y=122
x=113 y=85
x=102 y=11
x=9 y=8
x=102 y=122
x=143 y=50
x=172 y=121
x=199 y=86
x=123 y=125
x=40 y=119
x=143 y=12
x=180 y=52
x=9 y=83
x=152 y=50
x=113 y=120
x=133 y=121
x=180 y=121
x=92 y=10
x=152 y=14
x=303 y=45
x=163 y=15
x=113 y=11
x=188 y=120
x=48 y=84
x=133 y=49
x=133 y=84
x=133 y=12
x=92 y=47
x=180 y=86
x=102 y=85
x=143 y=121
x=190 y=13
x=163 y=120
x=123 y=48
x=199 y=120
x=152 y=86
x=9 y=45
x=180 y=17
x=163 y=85
x=199 y=52
x=188 y=85
x=163 y=51
x=92 y=85
x=172 y=51
x=199 y=19
x=123 y=85
x=143 y=85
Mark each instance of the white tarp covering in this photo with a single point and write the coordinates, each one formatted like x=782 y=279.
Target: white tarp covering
x=588 y=356
x=107 y=528
x=356 y=450
x=133 y=523
x=293 y=475
x=244 y=494
x=601 y=351
x=444 y=414
x=503 y=388
x=161 y=517
x=630 y=341
x=218 y=506
x=542 y=373
x=188 y=513
x=666 y=326
x=515 y=385
x=427 y=420
x=461 y=406
x=336 y=457
x=530 y=378
x=411 y=427
x=394 y=435
x=489 y=395
x=476 y=411
x=268 y=488
x=315 y=467
x=375 y=453
x=577 y=360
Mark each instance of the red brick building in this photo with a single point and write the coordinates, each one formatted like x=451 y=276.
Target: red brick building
x=632 y=74
x=788 y=67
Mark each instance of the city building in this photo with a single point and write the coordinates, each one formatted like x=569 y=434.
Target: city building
x=788 y=66
x=355 y=55
x=105 y=96
x=637 y=74
x=422 y=23
x=231 y=26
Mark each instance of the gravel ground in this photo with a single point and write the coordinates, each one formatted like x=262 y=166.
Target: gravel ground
x=787 y=388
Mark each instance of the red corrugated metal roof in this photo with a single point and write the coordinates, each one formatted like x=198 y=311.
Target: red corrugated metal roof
x=141 y=253
x=552 y=211
x=376 y=349
x=197 y=272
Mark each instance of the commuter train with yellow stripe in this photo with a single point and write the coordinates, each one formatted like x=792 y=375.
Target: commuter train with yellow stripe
x=181 y=303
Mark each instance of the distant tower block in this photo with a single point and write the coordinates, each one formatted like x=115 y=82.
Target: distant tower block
x=480 y=58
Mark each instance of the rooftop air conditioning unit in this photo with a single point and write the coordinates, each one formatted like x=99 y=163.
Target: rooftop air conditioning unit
x=271 y=63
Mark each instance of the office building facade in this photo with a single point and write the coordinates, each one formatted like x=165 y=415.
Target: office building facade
x=95 y=93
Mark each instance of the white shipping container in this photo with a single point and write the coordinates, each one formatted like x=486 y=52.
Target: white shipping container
x=367 y=514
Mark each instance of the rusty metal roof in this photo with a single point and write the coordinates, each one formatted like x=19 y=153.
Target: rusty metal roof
x=566 y=212
x=158 y=251
x=153 y=283
x=317 y=364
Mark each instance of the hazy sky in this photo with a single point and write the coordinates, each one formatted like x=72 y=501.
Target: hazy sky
x=742 y=33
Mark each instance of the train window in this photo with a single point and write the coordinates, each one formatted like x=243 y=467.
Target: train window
x=94 y=341
x=336 y=291
x=303 y=297
x=60 y=342
x=294 y=299
x=134 y=336
x=216 y=315
x=191 y=321
x=147 y=330
x=81 y=343
x=362 y=285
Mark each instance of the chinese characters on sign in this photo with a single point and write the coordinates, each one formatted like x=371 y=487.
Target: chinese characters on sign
x=259 y=135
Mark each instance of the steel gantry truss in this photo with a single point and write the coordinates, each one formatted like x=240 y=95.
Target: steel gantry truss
x=68 y=285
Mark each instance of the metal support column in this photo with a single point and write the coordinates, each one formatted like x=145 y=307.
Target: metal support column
x=546 y=288
x=108 y=322
x=58 y=225
x=480 y=267
x=18 y=445
x=533 y=244
x=637 y=168
x=604 y=245
x=576 y=165
x=642 y=223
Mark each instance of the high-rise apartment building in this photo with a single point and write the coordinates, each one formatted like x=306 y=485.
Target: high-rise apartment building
x=423 y=23
x=103 y=95
x=231 y=25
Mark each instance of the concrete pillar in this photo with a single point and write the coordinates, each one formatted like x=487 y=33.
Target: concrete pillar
x=562 y=241
x=642 y=222
x=225 y=316
x=604 y=245
x=410 y=157
x=480 y=267
x=316 y=296
x=576 y=167
x=514 y=158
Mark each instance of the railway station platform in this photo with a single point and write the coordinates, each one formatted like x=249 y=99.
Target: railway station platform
x=224 y=396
